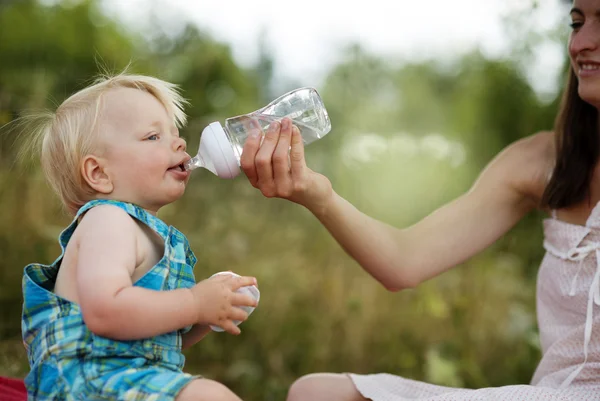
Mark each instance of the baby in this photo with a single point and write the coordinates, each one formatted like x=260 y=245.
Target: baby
x=110 y=317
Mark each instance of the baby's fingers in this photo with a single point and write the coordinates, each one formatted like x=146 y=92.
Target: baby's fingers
x=243 y=281
x=230 y=327
x=238 y=314
x=243 y=300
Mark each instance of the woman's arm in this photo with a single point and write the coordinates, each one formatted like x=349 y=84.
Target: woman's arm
x=400 y=258
x=403 y=258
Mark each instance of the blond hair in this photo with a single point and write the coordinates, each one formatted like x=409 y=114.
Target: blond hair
x=66 y=136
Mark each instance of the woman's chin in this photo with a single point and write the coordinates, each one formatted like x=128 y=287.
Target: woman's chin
x=590 y=94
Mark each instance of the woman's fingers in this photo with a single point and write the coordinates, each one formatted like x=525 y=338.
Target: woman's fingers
x=251 y=147
x=264 y=160
x=298 y=163
x=281 y=160
x=277 y=166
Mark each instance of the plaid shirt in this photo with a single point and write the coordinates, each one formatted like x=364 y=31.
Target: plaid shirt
x=69 y=362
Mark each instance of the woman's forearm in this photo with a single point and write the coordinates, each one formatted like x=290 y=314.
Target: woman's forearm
x=403 y=258
x=376 y=246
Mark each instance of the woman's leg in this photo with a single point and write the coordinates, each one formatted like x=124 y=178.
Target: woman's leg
x=324 y=387
x=206 y=390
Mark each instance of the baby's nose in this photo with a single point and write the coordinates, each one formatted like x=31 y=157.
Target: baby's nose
x=179 y=144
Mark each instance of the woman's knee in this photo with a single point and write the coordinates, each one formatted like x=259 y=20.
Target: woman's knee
x=206 y=390
x=324 y=386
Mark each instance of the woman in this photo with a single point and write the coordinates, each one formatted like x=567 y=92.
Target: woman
x=557 y=172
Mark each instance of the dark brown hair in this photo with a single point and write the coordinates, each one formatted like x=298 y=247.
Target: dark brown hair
x=577 y=142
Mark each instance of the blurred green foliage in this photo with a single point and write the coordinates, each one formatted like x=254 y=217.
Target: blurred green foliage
x=405 y=139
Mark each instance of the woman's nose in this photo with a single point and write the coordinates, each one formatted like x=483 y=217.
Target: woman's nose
x=586 y=38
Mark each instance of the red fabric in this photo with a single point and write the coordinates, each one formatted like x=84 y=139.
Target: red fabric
x=12 y=389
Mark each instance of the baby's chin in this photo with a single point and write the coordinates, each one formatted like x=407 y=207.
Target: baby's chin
x=168 y=194
x=175 y=194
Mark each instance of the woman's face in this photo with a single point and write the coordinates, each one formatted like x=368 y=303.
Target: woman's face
x=584 y=48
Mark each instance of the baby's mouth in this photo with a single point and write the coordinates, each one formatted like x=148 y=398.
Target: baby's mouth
x=179 y=167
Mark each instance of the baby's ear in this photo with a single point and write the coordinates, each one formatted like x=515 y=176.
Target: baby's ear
x=92 y=170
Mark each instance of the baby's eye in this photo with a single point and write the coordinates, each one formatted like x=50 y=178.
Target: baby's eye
x=153 y=137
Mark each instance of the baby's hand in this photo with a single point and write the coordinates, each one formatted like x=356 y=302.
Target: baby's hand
x=218 y=303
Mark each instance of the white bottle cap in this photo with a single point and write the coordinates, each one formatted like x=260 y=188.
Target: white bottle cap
x=219 y=151
x=250 y=290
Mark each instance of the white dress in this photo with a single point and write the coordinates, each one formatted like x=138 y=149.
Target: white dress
x=568 y=312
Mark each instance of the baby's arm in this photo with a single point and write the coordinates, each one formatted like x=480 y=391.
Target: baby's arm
x=110 y=304
x=197 y=333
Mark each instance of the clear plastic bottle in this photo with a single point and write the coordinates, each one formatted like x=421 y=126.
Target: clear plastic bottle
x=221 y=146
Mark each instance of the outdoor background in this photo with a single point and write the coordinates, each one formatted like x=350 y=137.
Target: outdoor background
x=407 y=137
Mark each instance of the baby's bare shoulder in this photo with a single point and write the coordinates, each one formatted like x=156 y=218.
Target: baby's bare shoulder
x=106 y=220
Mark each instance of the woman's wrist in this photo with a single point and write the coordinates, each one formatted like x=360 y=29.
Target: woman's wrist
x=323 y=208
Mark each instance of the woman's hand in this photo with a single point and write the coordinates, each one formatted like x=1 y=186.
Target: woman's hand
x=280 y=172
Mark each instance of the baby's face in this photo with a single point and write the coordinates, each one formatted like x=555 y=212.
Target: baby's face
x=141 y=149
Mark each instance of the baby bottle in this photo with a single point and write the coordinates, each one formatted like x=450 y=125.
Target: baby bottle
x=221 y=146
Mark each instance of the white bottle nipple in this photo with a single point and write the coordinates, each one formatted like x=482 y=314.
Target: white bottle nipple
x=215 y=153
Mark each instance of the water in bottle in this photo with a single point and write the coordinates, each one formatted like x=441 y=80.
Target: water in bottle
x=221 y=146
